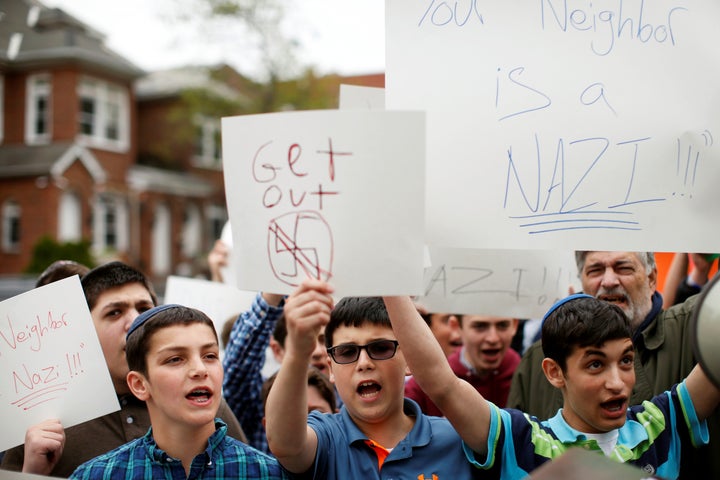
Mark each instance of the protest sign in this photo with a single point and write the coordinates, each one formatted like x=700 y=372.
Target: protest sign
x=217 y=300
x=335 y=195
x=563 y=125
x=51 y=362
x=506 y=283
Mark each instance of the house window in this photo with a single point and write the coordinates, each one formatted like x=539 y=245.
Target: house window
x=112 y=122
x=11 y=226
x=103 y=114
x=208 y=145
x=2 y=107
x=69 y=218
x=161 y=244
x=87 y=115
x=216 y=218
x=110 y=221
x=37 y=118
x=110 y=224
x=192 y=232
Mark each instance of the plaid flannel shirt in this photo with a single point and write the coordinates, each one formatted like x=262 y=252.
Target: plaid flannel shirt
x=224 y=457
x=243 y=361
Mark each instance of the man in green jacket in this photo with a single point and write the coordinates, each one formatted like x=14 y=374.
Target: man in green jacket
x=662 y=343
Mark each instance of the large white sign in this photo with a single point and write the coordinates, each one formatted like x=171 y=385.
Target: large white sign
x=564 y=124
x=336 y=195
x=51 y=362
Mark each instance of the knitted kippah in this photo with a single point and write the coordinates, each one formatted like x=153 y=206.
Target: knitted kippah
x=563 y=301
x=147 y=315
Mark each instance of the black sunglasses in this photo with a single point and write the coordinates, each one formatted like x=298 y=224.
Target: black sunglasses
x=377 y=350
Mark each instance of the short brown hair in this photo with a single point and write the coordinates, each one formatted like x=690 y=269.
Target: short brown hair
x=138 y=339
x=111 y=275
x=581 y=321
x=60 y=269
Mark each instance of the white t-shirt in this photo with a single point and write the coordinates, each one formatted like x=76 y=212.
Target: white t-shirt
x=606 y=441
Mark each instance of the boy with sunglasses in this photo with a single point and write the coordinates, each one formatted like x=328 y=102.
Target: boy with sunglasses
x=376 y=429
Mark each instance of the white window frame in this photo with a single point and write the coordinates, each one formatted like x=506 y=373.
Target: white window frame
x=208 y=151
x=69 y=218
x=161 y=249
x=38 y=87
x=111 y=106
x=110 y=205
x=11 y=220
x=2 y=107
x=192 y=231
x=215 y=215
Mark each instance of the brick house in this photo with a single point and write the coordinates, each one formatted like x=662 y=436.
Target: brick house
x=92 y=147
x=68 y=134
x=72 y=145
x=179 y=171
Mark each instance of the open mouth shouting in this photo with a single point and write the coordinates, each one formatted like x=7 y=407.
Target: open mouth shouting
x=368 y=389
x=200 y=396
x=615 y=296
x=615 y=408
x=491 y=354
x=322 y=366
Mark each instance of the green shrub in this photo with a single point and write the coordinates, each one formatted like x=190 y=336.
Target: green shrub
x=47 y=250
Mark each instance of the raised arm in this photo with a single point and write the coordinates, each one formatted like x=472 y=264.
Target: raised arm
x=290 y=439
x=217 y=259
x=463 y=406
x=243 y=363
x=705 y=395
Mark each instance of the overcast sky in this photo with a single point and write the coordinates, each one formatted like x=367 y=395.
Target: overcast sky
x=341 y=36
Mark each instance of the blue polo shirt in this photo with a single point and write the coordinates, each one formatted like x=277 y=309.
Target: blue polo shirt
x=432 y=450
x=650 y=439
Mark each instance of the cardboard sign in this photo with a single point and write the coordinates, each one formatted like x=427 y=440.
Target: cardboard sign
x=217 y=300
x=51 y=362
x=563 y=125
x=364 y=98
x=335 y=195
x=506 y=283
x=593 y=466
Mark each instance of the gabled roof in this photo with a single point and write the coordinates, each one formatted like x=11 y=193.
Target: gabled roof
x=35 y=36
x=28 y=161
x=150 y=179
x=17 y=161
x=172 y=82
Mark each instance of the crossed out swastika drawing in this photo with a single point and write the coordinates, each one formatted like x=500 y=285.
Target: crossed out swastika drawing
x=300 y=245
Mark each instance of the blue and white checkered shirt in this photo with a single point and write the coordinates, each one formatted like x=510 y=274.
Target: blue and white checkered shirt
x=243 y=362
x=224 y=457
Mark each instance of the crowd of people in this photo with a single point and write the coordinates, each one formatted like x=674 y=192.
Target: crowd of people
x=371 y=387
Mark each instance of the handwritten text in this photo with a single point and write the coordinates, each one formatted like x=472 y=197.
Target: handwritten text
x=32 y=333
